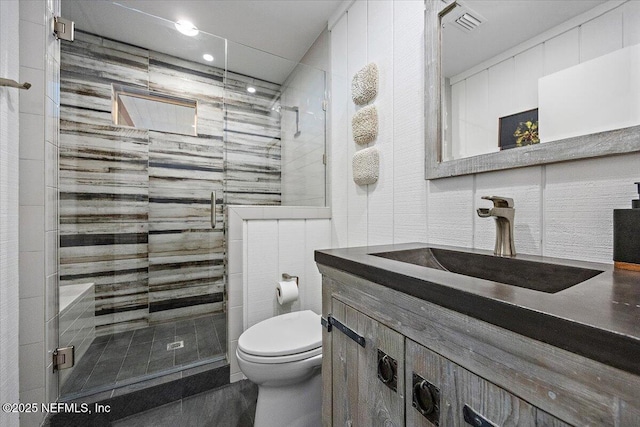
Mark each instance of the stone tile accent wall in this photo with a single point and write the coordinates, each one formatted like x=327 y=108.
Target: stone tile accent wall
x=135 y=204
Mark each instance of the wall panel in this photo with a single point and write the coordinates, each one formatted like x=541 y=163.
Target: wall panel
x=409 y=186
x=339 y=161
x=357 y=58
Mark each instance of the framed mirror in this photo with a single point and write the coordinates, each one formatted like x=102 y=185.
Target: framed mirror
x=522 y=83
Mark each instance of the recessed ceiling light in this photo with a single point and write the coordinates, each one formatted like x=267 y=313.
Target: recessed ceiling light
x=207 y=57
x=186 y=28
x=251 y=89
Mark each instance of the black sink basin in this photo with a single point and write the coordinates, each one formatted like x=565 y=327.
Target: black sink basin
x=539 y=276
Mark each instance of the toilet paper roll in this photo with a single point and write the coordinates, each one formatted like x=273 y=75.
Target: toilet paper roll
x=286 y=292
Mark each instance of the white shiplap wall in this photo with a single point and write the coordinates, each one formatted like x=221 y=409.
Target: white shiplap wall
x=9 y=129
x=263 y=243
x=388 y=33
x=563 y=210
x=282 y=246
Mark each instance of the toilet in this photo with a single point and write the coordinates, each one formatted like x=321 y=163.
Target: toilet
x=283 y=356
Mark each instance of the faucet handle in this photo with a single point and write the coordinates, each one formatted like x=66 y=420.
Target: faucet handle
x=500 y=202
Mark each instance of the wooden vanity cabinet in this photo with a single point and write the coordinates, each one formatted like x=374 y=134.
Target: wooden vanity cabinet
x=487 y=403
x=370 y=382
x=504 y=379
x=360 y=398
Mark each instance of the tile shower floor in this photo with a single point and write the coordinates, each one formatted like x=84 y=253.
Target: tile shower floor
x=116 y=359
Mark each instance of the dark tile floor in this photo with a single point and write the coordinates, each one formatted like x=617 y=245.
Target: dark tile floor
x=121 y=357
x=230 y=406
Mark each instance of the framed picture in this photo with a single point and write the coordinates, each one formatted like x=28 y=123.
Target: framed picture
x=518 y=130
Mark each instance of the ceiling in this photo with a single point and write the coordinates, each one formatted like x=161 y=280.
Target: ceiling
x=505 y=24
x=266 y=37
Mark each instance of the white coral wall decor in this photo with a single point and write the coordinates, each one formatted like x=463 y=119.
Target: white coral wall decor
x=365 y=125
x=366 y=164
x=364 y=86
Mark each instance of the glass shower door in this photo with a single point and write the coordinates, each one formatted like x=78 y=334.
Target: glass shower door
x=142 y=249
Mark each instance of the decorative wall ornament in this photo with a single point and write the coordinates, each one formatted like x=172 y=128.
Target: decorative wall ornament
x=366 y=164
x=364 y=86
x=365 y=125
x=518 y=130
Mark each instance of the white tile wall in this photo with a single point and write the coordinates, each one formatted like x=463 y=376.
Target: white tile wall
x=272 y=240
x=31 y=137
x=39 y=64
x=9 y=208
x=562 y=210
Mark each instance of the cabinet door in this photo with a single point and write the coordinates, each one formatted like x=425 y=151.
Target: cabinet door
x=459 y=387
x=360 y=398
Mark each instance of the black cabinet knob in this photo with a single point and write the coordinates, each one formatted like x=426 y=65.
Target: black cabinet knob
x=426 y=399
x=385 y=370
x=423 y=397
x=388 y=370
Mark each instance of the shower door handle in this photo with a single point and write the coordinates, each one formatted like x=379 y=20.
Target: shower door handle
x=213 y=209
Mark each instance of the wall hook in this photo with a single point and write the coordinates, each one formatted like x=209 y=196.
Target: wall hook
x=13 y=83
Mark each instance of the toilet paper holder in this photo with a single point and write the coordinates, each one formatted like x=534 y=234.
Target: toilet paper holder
x=289 y=277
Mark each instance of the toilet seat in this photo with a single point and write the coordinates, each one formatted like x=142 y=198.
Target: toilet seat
x=278 y=359
x=286 y=338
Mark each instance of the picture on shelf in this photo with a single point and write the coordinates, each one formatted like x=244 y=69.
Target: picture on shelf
x=518 y=130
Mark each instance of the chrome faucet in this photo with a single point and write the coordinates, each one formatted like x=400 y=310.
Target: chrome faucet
x=503 y=212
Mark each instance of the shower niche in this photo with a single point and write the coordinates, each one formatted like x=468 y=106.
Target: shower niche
x=144 y=109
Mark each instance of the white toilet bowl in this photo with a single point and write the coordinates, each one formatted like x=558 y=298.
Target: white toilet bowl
x=283 y=356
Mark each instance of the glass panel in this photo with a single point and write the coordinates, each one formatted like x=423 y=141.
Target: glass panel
x=301 y=108
x=274 y=130
x=142 y=242
x=142 y=272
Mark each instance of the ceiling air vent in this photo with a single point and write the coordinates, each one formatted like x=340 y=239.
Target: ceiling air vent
x=468 y=22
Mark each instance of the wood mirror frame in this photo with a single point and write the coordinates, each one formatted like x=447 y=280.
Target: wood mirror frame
x=608 y=143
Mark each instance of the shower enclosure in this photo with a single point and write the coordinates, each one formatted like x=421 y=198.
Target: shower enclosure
x=154 y=144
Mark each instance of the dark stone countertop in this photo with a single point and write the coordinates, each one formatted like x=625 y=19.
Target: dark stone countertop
x=598 y=318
